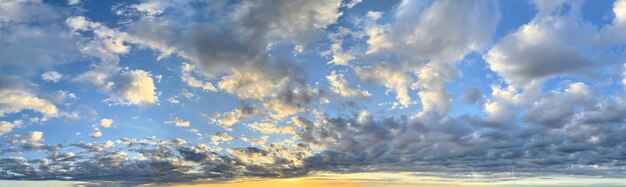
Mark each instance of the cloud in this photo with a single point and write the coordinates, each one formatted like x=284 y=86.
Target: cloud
x=106 y=43
x=391 y=77
x=14 y=99
x=268 y=128
x=51 y=76
x=34 y=38
x=192 y=81
x=428 y=47
x=34 y=136
x=7 y=126
x=472 y=95
x=340 y=86
x=73 y=2
x=178 y=122
x=220 y=137
x=106 y=122
x=517 y=127
x=95 y=135
x=556 y=42
x=249 y=84
x=125 y=87
x=135 y=87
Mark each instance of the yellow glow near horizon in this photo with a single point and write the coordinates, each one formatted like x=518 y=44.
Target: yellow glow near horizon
x=401 y=179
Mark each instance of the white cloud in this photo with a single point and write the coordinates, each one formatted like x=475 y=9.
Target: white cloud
x=545 y=47
x=173 y=100
x=108 y=144
x=7 y=126
x=340 y=86
x=248 y=84
x=187 y=78
x=395 y=80
x=135 y=87
x=106 y=122
x=73 y=2
x=34 y=136
x=424 y=41
x=100 y=76
x=257 y=141
x=178 y=122
x=52 y=76
x=269 y=128
x=16 y=100
x=106 y=44
x=96 y=134
x=352 y=3
x=220 y=137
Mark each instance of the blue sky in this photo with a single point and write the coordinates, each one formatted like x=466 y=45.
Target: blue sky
x=154 y=91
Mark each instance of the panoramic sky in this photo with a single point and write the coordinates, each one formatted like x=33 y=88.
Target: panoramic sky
x=154 y=92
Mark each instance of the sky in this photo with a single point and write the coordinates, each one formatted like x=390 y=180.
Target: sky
x=325 y=92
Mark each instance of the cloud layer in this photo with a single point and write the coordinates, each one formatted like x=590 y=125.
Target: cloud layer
x=174 y=91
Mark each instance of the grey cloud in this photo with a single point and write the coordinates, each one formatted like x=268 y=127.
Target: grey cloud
x=33 y=38
x=555 y=42
x=472 y=95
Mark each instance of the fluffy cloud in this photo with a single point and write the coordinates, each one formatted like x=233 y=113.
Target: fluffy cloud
x=126 y=87
x=428 y=47
x=136 y=87
x=547 y=46
x=521 y=127
x=106 y=122
x=16 y=100
x=249 y=84
x=35 y=136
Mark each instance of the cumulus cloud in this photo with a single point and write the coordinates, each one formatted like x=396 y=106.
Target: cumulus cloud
x=549 y=45
x=519 y=126
x=249 y=84
x=136 y=87
x=35 y=136
x=14 y=99
x=106 y=122
x=125 y=87
x=428 y=47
